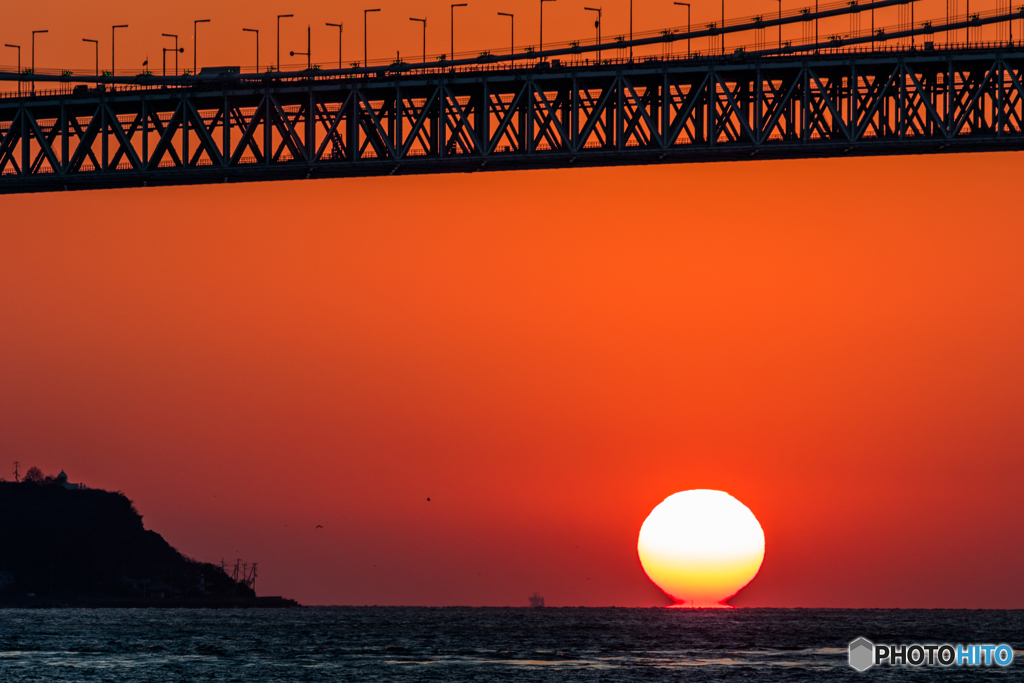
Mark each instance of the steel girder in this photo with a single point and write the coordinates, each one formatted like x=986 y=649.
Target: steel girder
x=890 y=103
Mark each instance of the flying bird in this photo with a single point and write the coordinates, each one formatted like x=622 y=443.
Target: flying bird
x=319 y=526
x=428 y=500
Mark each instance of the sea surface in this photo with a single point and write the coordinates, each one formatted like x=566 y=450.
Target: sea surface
x=484 y=644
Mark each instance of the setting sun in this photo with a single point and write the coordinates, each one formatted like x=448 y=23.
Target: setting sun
x=701 y=547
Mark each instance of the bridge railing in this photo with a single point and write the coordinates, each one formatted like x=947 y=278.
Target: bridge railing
x=743 y=52
x=694 y=58
x=615 y=52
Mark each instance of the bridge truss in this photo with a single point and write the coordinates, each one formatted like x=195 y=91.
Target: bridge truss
x=262 y=127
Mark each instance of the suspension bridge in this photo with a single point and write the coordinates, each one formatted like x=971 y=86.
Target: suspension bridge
x=881 y=91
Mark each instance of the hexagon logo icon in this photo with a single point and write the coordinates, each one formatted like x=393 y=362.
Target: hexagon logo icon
x=862 y=654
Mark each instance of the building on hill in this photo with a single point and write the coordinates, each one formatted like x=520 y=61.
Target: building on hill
x=62 y=480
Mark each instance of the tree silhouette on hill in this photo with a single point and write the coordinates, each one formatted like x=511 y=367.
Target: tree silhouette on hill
x=36 y=476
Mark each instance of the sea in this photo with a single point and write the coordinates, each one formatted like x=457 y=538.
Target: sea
x=485 y=644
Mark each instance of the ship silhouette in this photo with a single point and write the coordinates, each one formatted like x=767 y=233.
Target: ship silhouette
x=536 y=600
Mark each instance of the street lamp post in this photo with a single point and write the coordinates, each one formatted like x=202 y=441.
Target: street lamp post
x=597 y=25
x=34 y=59
x=459 y=4
x=307 y=53
x=256 y=31
x=687 y=6
x=341 y=29
x=512 y=45
x=424 y=22
x=18 y=48
x=170 y=49
x=195 y=43
x=176 y=50
x=542 y=23
x=780 y=24
x=366 y=61
x=96 y=43
x=279 y=18
x=113 y=35
x=912 y=24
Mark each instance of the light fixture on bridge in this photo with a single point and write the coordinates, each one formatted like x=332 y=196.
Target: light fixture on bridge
x=512 y=48
x=687 y=6
x=597 y=25
x=195 y=43
x=34 y=58
x=365 y=51
x=18 y=48
x=96 y=43
x=307 y=53
x=424 y=22
x=542 y=23
x=458 y=4
x=113 y=37
x=279 y=18
x=256 y=31
x=723 y=22
x=341 y=29
x=175 y=51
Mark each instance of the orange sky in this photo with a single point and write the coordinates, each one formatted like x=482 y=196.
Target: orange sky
x=546 y=355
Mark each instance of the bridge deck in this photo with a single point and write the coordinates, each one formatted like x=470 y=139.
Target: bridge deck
x=245 y=128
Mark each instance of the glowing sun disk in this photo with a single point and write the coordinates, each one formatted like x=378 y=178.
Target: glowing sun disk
x=701 y=547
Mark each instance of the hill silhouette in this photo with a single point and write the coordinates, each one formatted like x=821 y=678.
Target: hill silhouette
x=89 y=546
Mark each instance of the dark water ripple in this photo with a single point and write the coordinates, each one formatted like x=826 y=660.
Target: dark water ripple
x=483 y=644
